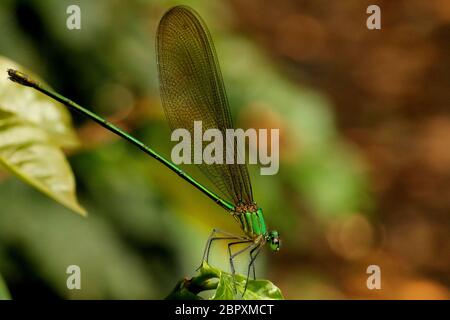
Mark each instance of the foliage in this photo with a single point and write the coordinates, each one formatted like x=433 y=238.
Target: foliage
x=4 y=293
x=33 y=128
x=226 y=286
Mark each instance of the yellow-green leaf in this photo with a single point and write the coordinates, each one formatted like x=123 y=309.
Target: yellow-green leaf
x=33 y=128
x=233 y=287
x=4 y=293
x=226 y=286
x=25 y=150
x=34 y=107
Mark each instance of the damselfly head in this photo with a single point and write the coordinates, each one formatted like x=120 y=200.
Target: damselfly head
x=274 y=240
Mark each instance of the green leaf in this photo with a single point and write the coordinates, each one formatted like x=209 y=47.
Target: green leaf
x=230 y=287
x=227 y=286
x=4 y=293
x=181 y=292
x=35 y=108
x=30 y=140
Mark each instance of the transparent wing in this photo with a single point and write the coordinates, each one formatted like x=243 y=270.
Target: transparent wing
x=192 y=89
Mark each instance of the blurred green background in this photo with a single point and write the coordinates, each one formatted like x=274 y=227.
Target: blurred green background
x=364 y=153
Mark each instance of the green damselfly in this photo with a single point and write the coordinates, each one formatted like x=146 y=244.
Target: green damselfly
x=192 y=89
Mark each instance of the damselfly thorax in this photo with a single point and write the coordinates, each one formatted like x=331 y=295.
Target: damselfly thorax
x=251 y=220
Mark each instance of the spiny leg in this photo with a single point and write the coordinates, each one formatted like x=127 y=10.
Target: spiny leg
x=232 y=256
x=211 y=238
x=252 y=264
x=206 y=257
x=252 y=261
x=254 y=271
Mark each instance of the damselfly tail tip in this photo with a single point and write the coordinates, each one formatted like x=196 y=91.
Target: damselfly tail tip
x=20 y=77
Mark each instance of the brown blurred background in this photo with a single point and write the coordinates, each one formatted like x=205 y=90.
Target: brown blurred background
x=391 y=97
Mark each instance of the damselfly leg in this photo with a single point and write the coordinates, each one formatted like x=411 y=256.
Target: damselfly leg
x=217 y=234
x=250 y=247
x=252 y=265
